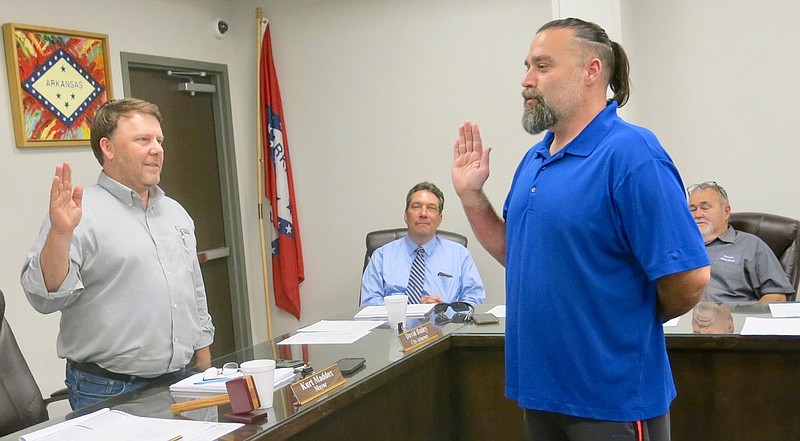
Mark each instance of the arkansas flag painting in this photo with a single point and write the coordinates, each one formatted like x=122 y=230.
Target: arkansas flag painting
x=287 y=253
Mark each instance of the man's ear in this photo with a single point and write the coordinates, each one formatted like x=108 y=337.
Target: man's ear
x=593 y=70
x=105 y=147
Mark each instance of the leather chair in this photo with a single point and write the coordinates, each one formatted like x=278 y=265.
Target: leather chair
x=21 y=402
x=782 y=234
x=379 y=238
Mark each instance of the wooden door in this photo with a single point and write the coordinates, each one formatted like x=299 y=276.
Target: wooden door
x=191 y=175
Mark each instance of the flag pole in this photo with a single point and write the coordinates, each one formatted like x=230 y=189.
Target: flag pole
x=260 y=144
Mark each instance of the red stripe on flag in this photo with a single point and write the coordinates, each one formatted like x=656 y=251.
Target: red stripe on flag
x=287 y=254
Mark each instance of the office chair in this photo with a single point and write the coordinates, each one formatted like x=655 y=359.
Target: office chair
x=782 y=234
x=21 y=402
x=379 y=238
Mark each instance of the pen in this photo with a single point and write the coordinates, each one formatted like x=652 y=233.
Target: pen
x=213 y=380
x=176 y=438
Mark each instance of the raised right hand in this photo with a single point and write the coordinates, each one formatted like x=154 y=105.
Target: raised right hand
x=470 y=167
x=65 y=201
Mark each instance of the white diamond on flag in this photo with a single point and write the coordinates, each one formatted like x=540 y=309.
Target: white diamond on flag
x=63 y=87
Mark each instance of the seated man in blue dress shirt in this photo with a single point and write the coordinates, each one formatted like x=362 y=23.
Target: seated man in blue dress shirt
x=743 y=267
x=450 y=272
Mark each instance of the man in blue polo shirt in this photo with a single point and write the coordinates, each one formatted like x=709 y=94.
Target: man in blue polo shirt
x=598 y=244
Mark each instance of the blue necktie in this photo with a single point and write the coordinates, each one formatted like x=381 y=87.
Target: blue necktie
x=417 y=277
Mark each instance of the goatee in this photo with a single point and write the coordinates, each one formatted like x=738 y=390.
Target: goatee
x=539 y=116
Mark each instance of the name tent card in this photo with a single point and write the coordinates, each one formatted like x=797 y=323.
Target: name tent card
x=419 y=336
x=317 y=384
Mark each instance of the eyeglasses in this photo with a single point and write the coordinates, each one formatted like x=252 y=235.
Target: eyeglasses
x=227 y=370
x=708 y=184
x=461 y=313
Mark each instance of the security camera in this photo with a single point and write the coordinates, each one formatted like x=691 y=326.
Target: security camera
x=220 y=27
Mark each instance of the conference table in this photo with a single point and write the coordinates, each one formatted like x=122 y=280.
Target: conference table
x=730 y=386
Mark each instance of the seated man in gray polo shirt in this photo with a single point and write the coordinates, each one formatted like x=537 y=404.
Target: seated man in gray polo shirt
x=743 y=267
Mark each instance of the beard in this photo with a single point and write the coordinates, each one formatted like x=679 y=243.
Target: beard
x=539 y=116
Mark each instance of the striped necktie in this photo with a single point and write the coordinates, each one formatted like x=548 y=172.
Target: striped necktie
x=417 y=277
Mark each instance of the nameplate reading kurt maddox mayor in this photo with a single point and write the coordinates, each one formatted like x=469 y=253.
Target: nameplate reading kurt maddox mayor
x=421 y=335
x=317 y=384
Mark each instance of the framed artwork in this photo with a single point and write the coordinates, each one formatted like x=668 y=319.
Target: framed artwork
x=57 y=79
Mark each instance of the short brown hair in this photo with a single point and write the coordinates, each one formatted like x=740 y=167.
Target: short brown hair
x=426 y=186
x=107 y=117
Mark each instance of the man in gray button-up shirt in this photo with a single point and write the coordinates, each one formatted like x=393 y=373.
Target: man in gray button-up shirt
x=743 y=267
x=119 y=261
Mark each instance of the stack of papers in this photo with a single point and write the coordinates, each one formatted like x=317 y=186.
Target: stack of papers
x=332 y=332
x=413 y=310
x=195 y=387
x=116 y=425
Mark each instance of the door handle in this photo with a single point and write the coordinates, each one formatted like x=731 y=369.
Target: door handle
x=214 y=253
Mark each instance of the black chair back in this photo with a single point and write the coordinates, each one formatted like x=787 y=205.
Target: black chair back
x=21 y=402
x=379 y=238
x=782 y=234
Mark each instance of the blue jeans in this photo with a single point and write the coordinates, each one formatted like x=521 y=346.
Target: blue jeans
x=84 y=388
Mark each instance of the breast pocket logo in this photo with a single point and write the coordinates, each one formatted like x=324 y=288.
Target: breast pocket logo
x=731 y=258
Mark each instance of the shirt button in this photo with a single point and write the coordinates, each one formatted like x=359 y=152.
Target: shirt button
x=533 y=190
x=544 y=167
x=175 y=305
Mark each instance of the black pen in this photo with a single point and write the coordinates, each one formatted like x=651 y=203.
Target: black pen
x=441 y=274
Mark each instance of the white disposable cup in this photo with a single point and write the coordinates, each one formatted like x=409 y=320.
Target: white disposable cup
x=263 y=373
x=396 y=310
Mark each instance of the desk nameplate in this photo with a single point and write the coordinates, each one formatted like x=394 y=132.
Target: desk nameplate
x=419 y=336
x=317 y=384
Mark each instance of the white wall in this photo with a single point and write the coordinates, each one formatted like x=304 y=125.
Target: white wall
x=717 y=82
x=373 y=93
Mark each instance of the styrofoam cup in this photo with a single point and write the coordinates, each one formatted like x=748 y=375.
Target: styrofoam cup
x=263 y=373
x=396 y=310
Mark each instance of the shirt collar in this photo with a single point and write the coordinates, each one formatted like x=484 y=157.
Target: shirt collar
x=427 y=246
x=728 y=236
x=125 y=194
x=586 y=141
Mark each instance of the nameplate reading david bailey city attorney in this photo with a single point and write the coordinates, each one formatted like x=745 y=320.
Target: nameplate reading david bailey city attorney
x=421 y=335
x=317 y=384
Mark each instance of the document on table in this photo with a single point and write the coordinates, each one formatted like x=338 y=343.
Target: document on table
x=323 y=338
x=671 y=323
x=379 y=311
x=499 y=311
x=342 y=326
x=789 y=309
x=195 y=387
x=106 y=424
x=771 y=326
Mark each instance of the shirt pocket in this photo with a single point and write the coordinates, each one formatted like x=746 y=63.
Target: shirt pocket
x=187 y=244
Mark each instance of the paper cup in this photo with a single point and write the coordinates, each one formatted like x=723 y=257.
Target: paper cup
x=396 y=310
x=263 y=373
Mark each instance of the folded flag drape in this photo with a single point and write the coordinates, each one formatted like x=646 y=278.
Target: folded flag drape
x=287 y=253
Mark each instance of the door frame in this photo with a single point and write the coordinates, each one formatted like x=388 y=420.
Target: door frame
x=223 y=125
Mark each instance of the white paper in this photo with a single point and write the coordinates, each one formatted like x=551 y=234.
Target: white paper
x=323 y=338
x=499 y=311
x=188 y=387
x=771 y=326
x=116 y=425
x=790 y=309
x=671 y=323
x=342 y=326
x=379 y=311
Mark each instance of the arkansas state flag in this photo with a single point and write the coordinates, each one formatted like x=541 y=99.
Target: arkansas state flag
x=287 y=253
